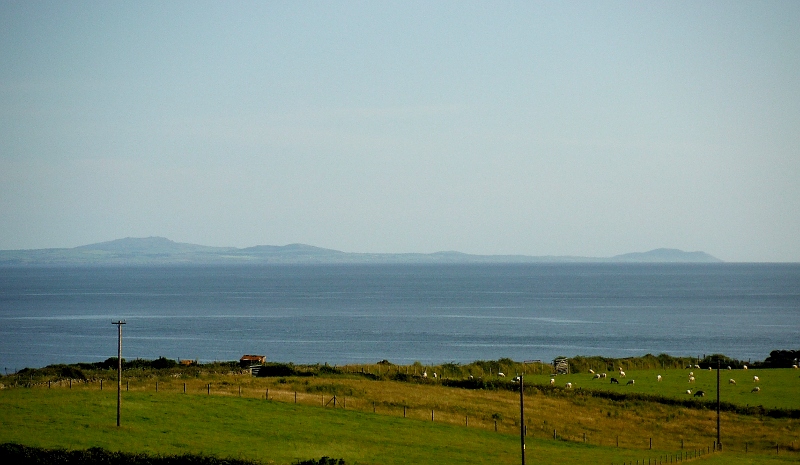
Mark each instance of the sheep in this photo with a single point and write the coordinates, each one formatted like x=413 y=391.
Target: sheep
x=732 y=381
x=471 y=377
x=691 y=373
x=794 y=366
x=691 y=379
x=568 y=385
x=688 y=391
x=591 y=371
x=597 y=376
x=630 y=382
x=744 y=367
x=659 y=378
x=621 y=374
x=424 y=374
x=709 y=368
x=697 y=366
x=700 y=394
x=755 y=389
x=552 y=382
x=603 y=375
x=434 y=375
x=729 y=367
x=501 y=374
x=755 y=379
x=614 y=381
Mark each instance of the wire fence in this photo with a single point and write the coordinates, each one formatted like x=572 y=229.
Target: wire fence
x=686 y=449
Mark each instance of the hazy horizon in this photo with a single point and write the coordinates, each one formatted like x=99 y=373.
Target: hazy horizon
x=522 y=128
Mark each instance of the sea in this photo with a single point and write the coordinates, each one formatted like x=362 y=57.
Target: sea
x=403 y=313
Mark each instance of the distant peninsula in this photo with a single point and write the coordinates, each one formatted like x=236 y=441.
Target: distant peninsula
x=162 y=251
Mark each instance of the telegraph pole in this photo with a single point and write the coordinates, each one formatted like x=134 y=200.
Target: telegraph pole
x=521 y=420
x=719 y=444
x=119 y=365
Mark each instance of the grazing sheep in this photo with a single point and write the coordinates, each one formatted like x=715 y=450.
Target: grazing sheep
x=568 y=385
x=621 y=374
x=630 y=382
x=794 y=366
x=597 y=376
x=755 y=389
x=424 y=374
x=501 y=374
x=603 y=375
x=744 y=367
x=755 y=379
x=709 y=368
x=688 y=391
x=691 y=373
x=700 y=394
x=732 y=381
x=471 y=377
x=552 y=382
x=659 y=378
x=614 y=381
x=691 y=379
x=729 y=367
x=697 y=366
x=591 y=371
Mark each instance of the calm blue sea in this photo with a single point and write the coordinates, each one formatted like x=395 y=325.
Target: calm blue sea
x=404 y=313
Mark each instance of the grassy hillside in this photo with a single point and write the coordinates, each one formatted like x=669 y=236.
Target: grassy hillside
x=384 y=415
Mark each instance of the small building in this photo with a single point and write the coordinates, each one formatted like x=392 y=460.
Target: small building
x=249 y=360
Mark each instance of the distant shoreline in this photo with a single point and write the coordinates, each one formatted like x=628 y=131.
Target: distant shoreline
x=162 y=251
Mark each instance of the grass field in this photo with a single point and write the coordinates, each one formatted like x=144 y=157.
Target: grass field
x=382 y=421
x=278 y=432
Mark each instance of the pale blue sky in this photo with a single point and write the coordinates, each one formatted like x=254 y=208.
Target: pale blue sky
x=537 y=128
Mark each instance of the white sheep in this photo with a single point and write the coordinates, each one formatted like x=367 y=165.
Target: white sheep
x=744 y=367
x=552 y=382
x=621 y=374
x=691 y=379
x=755 y=379
x=691 y=373
x=435 y=375
x=633 y=381
x=755 y=389
x=688 y=391
x=729 y=367
x=424 y=374
x=568 y=385
x=709 y=368
x=794 y=366
x=501 y=374
x=591 y=371
x=603 y=375
x=697 y=366
x=732 y=381
x=659 y=378
x=597 y=376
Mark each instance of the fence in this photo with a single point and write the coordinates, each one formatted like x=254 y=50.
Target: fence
x=687 y=449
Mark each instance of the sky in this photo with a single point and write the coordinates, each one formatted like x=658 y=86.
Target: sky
x=535 y=128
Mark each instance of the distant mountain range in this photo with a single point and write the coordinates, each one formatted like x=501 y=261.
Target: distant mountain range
x=162 y=251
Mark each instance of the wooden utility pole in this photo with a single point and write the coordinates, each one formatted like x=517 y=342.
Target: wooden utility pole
x=119 y=365
x=522 y=419
x=719 y=444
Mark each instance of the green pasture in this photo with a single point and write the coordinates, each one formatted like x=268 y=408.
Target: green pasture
x=780 y=387
x=280 y=433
